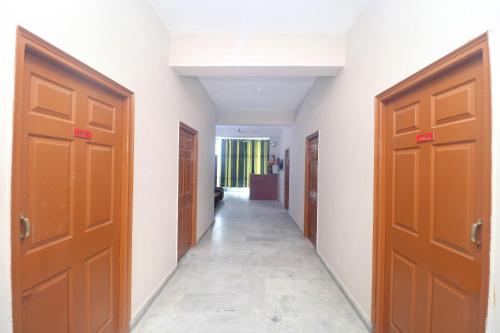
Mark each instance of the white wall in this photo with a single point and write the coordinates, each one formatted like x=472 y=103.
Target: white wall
x=257 y=54
x=391 y=40
x=127 y=42
x=276 y=118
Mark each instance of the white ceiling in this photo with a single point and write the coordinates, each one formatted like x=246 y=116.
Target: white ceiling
x=271 y=94
x=264 y=93
x=258 y=16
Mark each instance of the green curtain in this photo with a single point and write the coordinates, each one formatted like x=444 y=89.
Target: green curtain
x=240 y=158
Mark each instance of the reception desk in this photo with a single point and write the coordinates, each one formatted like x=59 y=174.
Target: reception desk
x=264 y=187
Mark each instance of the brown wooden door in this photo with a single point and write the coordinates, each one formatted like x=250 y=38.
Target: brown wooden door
x=311 y=205
x=287 y=178
x=187 y=190
x=70 y=198
x=435 y=193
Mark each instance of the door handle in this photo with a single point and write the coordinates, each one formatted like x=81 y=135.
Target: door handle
x=313 y=195
x=474 y=233
x=25 y=221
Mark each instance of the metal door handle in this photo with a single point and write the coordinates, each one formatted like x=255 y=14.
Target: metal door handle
x=25 y=221
x=474 y=232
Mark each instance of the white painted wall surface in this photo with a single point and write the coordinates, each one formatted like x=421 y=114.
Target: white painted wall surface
x=218 y=54
x=259 y=16
x=276 y=118
x=126 y=41
x=391 y=40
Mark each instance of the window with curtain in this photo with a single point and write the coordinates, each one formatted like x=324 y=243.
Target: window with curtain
x=240 y=158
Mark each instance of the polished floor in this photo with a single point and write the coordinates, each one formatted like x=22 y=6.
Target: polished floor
x=252 y=272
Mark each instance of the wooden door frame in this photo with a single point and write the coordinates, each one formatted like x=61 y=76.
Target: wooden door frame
x=286 y=194
x=194 y=207
x=475 y=48
x=306 y=185
x=29 y=43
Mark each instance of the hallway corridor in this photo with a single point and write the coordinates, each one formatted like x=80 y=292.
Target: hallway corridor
x=252 y=272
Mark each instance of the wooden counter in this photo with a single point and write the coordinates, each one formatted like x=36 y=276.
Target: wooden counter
x=264 y=187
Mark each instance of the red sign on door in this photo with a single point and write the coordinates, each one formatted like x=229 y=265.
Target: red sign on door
x=82 y=133
x=425 y=137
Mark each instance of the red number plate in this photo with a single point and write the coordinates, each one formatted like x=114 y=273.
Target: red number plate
x=82 y=133
x=425 y=137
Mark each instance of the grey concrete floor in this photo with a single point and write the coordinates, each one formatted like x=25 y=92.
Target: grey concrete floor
x=252 y=272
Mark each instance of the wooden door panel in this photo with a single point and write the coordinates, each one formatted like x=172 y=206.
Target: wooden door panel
x=311 y=188
x=452 y=191
x=49 y=195
x=71 y=196
x=69 y=265
x=52 y=99
x=450 y=308
x=101 y=115
x=403 y=294
x=189 y=181
x=99 y=298
x=101 y=174
x=100 y=185
x=434 y=270
x=187 y=170
x=47 y=190
x=406 y=119
x=46 y=307
x=313 y=182
x=454 y=104
x=312 y=219
x=406 y=190
x=287 y=179
x=182 y=168
x=187 y=229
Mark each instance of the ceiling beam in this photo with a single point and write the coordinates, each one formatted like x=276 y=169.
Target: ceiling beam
x=257 y=54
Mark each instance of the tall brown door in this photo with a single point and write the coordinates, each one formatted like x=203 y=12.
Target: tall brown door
x=187 y=190
x=311 y=189
x=437 y=164
x=69 y=142
x=287 y=178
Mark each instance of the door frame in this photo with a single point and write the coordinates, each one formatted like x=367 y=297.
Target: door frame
x=475 y=48
x=306 y=186
x=286 y=189
x=194 y=208
x=30 y=43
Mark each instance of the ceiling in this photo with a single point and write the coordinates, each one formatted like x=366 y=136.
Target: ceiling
x=266 y=93
x=270 y=94
x=258 y=16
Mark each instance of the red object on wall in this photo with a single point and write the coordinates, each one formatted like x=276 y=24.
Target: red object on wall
x=425 y=137
x=82 y=133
